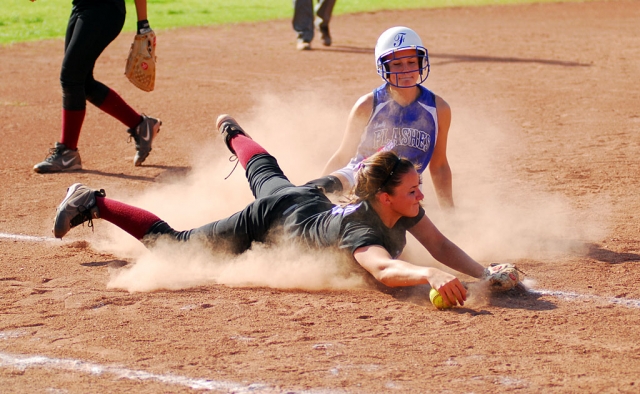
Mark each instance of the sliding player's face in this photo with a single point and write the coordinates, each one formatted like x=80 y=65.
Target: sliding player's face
x=406 y=197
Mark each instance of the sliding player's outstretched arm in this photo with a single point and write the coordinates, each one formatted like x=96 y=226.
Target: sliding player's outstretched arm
x=396 y=273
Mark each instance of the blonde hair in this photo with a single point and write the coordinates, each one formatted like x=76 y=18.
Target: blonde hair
x=381 y=172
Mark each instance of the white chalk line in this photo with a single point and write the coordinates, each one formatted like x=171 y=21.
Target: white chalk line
x=28 y=238
x=628 y=302
x=24 y=362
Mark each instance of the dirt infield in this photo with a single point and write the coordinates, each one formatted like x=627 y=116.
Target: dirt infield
x=544 y=147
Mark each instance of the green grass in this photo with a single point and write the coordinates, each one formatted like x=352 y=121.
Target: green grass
x=22 y=20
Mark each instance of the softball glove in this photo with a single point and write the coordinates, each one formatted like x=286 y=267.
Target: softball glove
x=141 y=63
x=501 y=277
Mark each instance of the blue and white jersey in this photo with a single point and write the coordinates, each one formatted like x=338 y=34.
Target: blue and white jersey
x=411 y=131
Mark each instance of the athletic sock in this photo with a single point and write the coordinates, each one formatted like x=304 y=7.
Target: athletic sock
x=115 y=106
x=245 y=148
x=71 y=126
x=133 y=220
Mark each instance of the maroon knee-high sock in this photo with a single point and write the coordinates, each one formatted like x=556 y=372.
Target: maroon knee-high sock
x=135 y=221
x=71 y=126
x=115 y=106
x=245 y=148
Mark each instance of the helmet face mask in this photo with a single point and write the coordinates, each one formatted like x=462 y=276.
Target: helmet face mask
x=397 y=39
x=393 y=77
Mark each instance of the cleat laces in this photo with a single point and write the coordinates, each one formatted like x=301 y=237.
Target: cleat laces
x=232 y=130
x=232 y=158
x=84 y=213
x=53 y=154
x=83 y=216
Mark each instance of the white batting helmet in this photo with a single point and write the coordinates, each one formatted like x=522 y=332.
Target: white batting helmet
x=396 y=39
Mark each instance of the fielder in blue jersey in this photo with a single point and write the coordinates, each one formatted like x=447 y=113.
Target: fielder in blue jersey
x=401 y=115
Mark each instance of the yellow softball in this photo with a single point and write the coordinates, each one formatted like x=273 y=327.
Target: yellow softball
x=436 y=299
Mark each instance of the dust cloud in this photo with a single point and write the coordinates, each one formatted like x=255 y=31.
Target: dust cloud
x=175 y=266
x=498 y=217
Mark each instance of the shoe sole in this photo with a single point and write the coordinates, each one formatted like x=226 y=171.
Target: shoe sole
x=225 y=118
x=75 y=167
x=59 y=232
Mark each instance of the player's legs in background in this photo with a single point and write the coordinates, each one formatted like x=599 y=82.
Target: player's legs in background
x=97 y=93
x=91 y=28
x=111 y=103
x=324 y=9
x=303 y=22
x=110 y=20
